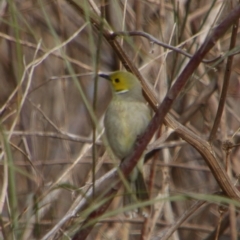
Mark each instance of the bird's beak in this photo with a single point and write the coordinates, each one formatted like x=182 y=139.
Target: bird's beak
x=104 y=75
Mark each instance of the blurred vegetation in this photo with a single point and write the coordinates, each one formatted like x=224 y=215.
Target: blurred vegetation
x=52 y=106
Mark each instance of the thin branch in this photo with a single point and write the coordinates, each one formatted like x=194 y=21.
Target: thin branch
x=225 y=83
x=63 y=135
x=156 y=41
x=94 y=104
x=4 y=189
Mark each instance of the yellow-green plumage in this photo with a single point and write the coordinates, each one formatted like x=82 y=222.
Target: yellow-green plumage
x=126 y=119
x=124 y=122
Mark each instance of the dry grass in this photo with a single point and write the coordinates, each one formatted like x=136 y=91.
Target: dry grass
x=52 y=104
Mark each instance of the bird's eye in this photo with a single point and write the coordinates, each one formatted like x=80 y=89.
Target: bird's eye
x=116 y=80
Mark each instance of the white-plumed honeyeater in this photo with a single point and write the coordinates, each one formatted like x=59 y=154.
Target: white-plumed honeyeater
x=126 y=118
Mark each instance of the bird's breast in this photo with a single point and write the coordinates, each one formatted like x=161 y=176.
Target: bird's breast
x=124 y=122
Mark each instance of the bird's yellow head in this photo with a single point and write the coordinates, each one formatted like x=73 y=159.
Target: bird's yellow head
x=122 y=82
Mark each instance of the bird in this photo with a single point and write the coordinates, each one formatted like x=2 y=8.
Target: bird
x=126 y=118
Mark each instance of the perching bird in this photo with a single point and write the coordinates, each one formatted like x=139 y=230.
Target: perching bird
x=126 y=118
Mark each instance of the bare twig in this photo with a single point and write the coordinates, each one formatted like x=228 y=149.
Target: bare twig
x=63 y=135
x=4 y=184
x=156 y=41
x=225 y=83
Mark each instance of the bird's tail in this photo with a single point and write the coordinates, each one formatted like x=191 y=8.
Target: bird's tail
x=139 y=193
